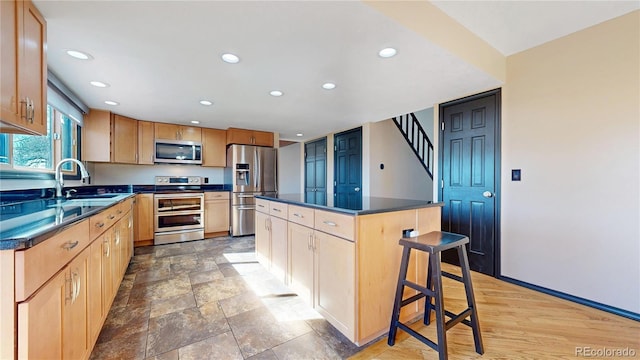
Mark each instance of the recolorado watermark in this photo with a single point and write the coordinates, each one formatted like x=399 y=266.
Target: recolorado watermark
x=605 y=352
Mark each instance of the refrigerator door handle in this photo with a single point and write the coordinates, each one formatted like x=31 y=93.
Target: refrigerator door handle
x=258 y=170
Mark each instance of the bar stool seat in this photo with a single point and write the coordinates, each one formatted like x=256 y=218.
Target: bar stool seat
x=434 y=243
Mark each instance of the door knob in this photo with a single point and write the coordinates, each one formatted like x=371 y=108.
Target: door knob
x=487 y=194
x=357 y=189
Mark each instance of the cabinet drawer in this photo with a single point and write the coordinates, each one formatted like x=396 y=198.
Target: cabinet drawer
x=301 y=215
x=278 y=209
x=262 y=205
x=335 y=224
x=100 y=222
x=216 y=195
x=36 y=265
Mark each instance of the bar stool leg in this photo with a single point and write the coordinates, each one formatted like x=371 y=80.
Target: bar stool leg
x=427 y=302
x=395 y=316
x=471 y=300
x=436 y=276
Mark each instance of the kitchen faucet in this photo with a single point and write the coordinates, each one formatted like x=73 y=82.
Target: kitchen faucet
x=60 y=179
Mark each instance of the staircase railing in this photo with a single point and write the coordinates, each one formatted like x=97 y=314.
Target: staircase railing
x=417 y=139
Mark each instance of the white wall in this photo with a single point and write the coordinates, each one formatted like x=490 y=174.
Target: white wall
x=290 y=161
x=121 y=174
x=403 y=175
x=571 y=122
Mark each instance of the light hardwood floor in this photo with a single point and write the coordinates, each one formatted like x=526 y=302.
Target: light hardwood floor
x=516 y=323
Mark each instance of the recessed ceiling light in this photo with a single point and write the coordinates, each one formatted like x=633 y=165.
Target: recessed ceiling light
x=206 y=102
x=78 y=54
x=230 y=58
x=113 y=103
x=276 y=93
x=195 y=122
x=387 y=52
x=299 y=134
x=328 y=86
x=99 y=84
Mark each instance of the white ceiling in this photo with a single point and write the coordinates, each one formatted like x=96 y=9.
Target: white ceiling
x=162 y=57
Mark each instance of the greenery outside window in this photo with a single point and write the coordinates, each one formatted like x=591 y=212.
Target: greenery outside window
x=41 y=153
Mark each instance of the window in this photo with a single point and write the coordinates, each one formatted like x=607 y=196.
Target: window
x=41 y=153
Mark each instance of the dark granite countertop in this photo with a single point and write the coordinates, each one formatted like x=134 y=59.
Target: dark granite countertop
x=25 y=224
x=370 y=205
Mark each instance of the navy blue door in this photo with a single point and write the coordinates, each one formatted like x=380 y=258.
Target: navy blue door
x=470 y=177
x=348 y=169
x=315 y=172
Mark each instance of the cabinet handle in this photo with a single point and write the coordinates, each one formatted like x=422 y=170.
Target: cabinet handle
x=119 y=212
x=100 y=225
x=309 y=240
x=70 y=245
x=274 y=209
x=111 y=217
x=69 y=281
x=117 y=236
x=107 y=248
x=32 y=110
x=330 y=223
x=25 y=114
x=298 y=215
x=76 y=286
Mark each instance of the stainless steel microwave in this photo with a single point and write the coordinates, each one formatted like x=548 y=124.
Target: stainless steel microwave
x=177 y=152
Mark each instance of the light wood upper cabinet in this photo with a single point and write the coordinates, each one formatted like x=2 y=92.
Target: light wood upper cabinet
x=96 y=136
x=178 y=132
x=214 y=147
x=124 y=140
x=146 y=146
x=109 y=137
x=249 y=137
x=23 y=69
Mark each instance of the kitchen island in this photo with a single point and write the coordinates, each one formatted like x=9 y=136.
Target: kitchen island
x=344 y=262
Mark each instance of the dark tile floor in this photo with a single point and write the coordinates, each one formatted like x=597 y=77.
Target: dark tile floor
x=210 y=299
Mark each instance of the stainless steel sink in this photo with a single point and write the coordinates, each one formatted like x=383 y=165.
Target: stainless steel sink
x=93 y=196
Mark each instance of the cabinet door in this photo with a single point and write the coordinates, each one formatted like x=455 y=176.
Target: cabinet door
x=95 y=311
x=300 y=272
x=239 y=136
x=166 y=131
x=279 y=248
x=107 y=274
x=214 y=147
x=8 y=63
x=263 y=239
x=75 y=337
x=190 y=133
x=33 y=65
x=335 y=281
x=96 y=136
x=124 y=140
x=40 y=321
x=146 y=146
x=143 y=220
x=216 y=216
x=263 y=138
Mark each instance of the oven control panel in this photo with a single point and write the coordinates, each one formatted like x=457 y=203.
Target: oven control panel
x=179 y=180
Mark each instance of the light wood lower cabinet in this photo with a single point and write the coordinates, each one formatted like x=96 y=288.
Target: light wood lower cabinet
x=346 y=266
x=216 y=212
x=335 y=281
x=143 y=220
x=301 y=262
x=279 y=261
x=52 y=323
x=62 y=317
x=263 y=239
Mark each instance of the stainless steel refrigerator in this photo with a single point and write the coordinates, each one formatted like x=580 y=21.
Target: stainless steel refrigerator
x=252 y=171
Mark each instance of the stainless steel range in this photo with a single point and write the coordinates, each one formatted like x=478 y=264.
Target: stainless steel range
x=178 y=209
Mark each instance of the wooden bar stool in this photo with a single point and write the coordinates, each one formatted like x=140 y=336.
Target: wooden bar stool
x=434 y=243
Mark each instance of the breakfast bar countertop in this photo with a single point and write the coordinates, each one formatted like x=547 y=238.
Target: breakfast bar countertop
x=370 y=205
x=25 y=224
